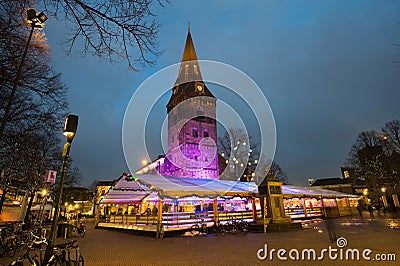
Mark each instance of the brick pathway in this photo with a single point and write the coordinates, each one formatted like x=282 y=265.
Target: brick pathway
x=106 y=247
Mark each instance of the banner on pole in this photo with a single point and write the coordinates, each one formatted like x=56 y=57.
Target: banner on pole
x=51 y=176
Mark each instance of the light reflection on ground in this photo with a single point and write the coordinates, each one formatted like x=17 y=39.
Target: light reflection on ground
x=394 y=223
x=355 y=221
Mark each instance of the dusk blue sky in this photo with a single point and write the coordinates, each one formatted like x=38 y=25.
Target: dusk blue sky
x=327 y=69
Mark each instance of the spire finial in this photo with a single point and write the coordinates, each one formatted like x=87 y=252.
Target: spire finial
x=188 y=26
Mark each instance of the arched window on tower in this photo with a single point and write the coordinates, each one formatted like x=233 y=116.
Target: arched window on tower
x=205 y=134
x=195 y=133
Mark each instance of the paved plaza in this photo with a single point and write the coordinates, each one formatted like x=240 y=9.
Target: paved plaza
x=104 y=247
x=381 y=235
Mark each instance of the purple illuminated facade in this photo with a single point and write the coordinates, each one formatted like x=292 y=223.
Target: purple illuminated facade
x=192 y=129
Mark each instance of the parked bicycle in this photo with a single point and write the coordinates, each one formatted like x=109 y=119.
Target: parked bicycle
x=30 y=257
x=8 y=242
x=230 y=227
x=218 y=229
x=242 y=226
x=200 y=227
x=33 y=244
x=67 y=254
x=80 y=228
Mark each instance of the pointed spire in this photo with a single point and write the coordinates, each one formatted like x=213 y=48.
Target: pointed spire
x=189 y=53
x=189 y=78
x=189 y=69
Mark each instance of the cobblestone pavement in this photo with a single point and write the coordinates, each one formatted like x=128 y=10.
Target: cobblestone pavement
x=381 y=235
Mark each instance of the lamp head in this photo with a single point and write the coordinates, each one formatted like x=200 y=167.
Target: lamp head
x=35 y=20
x=70 y=127
x=42 y=17
x=31 y=14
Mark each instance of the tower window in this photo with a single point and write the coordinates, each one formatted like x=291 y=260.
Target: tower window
x=205 y=134
x=186 y=71
x=195 y=133
x=195 y=70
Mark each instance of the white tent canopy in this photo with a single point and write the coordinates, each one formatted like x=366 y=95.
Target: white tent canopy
x=135 y=189
x=177 y=187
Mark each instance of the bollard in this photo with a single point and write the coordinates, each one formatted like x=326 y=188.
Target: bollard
x=65 y=232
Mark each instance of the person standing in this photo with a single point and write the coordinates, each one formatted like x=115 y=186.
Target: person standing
x=330 y=225
x=371 y=211
x=359 y=209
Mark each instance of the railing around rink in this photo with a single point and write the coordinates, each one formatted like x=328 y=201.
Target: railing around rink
x=180 y=219
x=132 y=219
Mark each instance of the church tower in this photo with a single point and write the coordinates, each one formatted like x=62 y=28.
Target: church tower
x=192 y=128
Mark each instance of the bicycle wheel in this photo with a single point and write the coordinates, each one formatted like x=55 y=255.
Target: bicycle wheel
x=53 y=260
x=81 y=261
x=60 y=261
x=195 y=230
x=204 y=229
x=161 y=232
x=81 y=232
x=232 y=228
x=245 y=227
x=25 y=262
x=2 y=251
x=215 y=229
x=33 y=262
x=221 y=230
x=11 y=247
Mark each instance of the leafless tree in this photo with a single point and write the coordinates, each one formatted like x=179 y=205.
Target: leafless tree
x=276 y=171
x=242 y=155
x=391 y=131
x=30 y=144
x=374 y=157
x=111 y=29
x=236 y=147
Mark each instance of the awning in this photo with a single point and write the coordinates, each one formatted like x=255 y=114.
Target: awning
x=177 y=187
x=126 y=191
x=123 y=197
x=290 y=191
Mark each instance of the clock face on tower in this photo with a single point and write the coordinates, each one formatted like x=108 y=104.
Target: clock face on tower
x=199 y=88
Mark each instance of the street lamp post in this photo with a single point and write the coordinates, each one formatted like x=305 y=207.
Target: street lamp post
x=70 y=126
x=35 y=21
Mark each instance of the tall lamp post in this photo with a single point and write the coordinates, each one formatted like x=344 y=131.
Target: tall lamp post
x=70 y=127
x=35 y=21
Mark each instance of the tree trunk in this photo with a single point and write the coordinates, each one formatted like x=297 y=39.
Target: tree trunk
x=3 y=198
x=28 y=210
